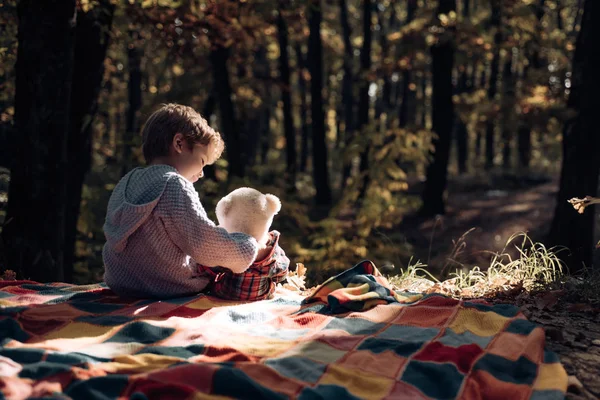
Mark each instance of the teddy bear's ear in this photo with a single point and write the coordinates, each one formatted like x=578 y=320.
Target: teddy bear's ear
x=273 y=203
x=223 y=207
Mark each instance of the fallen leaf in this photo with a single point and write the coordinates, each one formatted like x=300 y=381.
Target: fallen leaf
x=574 y=383
x=548 y=300
x=580 y=307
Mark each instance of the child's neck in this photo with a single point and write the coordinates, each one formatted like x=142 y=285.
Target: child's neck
x=163 y=161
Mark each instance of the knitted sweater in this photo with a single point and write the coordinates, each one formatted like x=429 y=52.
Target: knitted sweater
x=157 y=232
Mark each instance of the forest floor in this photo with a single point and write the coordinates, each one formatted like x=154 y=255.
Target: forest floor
x=496 y=209
x=481 y=215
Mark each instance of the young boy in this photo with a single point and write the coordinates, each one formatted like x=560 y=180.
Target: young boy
x=157 y=231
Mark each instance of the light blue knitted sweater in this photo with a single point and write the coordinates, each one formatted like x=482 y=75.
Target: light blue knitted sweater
x=157 y=230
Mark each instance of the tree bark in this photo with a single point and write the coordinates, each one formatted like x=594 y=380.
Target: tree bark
x=407 y=111
x=286 y=98
x=442 y=117
x=363 y=105
x=208 y=110
x=581 y=164
x=229 y=125
x=347 y=83
x=34 y=230
x=134 y=86
x=524 y=132
x=304 y=112
x=92 y=39
x=508 y=102
x=319 y=145
x=493 y=88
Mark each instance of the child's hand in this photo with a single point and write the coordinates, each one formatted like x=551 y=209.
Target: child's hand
x=263 y=253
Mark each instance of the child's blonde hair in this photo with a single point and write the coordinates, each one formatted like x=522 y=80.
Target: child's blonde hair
x=170 y=119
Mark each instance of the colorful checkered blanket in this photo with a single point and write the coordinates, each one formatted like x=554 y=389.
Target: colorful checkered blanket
x=354 y=338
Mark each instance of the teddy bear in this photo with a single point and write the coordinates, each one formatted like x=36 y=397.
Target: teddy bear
x=249 y=211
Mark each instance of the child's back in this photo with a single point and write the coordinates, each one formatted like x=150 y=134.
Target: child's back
x=156 y=228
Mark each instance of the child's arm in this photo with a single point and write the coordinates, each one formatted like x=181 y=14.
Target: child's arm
x=195 y=234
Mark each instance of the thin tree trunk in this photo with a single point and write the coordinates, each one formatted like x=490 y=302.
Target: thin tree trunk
x=524 y=145
x=443 y=117
x=286 y=98
x=384 y=101
x=406 y=113
x=581 y=164
x=460 y=128
x=134 y=56
x=229 y=124
x=423 y=119
x=347 y=89
x=461 y=145
x=34 y=230
x=319 y=145
x=493 y=87
x=207 y=111
x=507 y=112
x=524 y=132
x=363 y=101
x=304 y=112
x=92 y=39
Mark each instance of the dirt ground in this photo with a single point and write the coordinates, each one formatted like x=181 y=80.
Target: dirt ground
x=487 y=212
x=496 y=209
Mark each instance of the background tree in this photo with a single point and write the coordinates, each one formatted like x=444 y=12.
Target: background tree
x=286 y=98
x=315 y=66
x=581 y=164
x=34 y=229
x=442 y=54
x=92 y=40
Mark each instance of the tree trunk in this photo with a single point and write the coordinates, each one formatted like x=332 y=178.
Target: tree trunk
x=92 y=38
x=384 y=101
x=363 y=105
x=134 y=85
x=347 y=95
x=508 y=102
x=559 y=21
x=286 y=98
x=493 y=88
x=34 y=231
x=423 y=116
x=524 y=145
x=442 y=116
x=407 y=111
x=581 y=164
x=479 y=137
x=304 y=147
x=236 y=155
x=319 y=145
x=208 y=110
x=461 y=145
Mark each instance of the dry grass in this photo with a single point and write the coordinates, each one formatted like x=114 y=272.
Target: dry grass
x=535 y=267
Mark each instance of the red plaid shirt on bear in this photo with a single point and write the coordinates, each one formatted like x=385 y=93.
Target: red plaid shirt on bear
x=257 y=282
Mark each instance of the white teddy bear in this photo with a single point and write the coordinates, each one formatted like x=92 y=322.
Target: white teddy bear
x=249 y=211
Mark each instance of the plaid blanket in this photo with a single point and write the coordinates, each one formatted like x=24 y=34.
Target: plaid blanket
x=354 y=338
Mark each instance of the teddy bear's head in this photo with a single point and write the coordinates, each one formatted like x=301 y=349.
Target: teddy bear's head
x=249 y=211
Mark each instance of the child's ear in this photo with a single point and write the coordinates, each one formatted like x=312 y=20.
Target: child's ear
x=273 y=203
x=178 y=142
x=223 y=207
